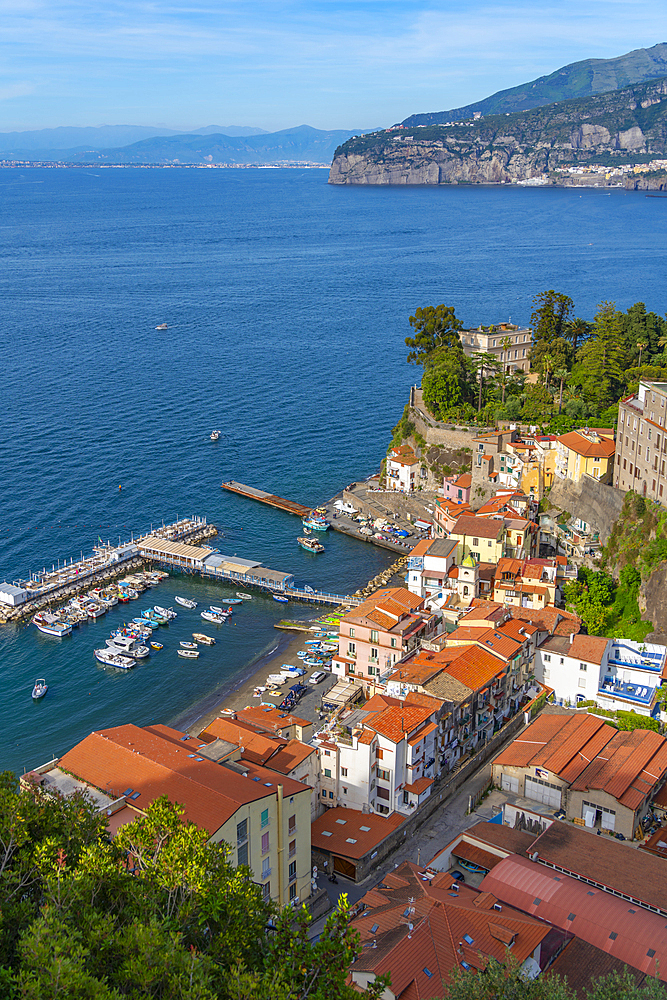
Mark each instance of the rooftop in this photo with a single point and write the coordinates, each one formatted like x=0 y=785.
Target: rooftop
x=482 y=527
x=351 y=833
x=589 y=445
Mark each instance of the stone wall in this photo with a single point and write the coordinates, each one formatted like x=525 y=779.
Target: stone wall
x=593 y=502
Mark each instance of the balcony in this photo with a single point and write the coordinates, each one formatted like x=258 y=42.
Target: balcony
x=638 y=693
x=266 y=873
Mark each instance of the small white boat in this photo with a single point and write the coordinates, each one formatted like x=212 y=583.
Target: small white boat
x=280 y=598
x=162 y=326
x=185 y=602
x=243 y=597
x=206 y=639
x=189 y=645
x=167 y=613
x=56 y=628
x=189 y=654
x=96 y=610
x=218 y=611
x=127 y=645
x=40 y=688
x=215 y=435
x=209 y=616
x=110 y=659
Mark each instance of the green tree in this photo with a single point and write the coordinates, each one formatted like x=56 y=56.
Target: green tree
x=561 y=374
x=550 y=315
x=576 y=331
x=603 y=359
x=448 y=381
x=538 y=405
x=505 y=343
x=434 y=326
x=484 y=363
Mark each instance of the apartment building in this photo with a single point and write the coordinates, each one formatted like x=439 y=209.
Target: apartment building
x=403 y=468
x=587 y=452
x=528 y=583
x=381 y=631
x=263 y=816
x=383 y=757
x=489 y=340
x=641 y=445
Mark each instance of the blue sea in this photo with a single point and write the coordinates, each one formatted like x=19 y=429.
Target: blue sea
x=287 y=303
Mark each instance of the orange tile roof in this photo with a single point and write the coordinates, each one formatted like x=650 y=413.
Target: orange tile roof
x=419 y=736
x=395 y=723
x=419 y=786
x=482 y=527
x=588 y=449
x=474 y=667
x=422 y=547
x=493 y=639
x=153 y=764
x=379 y=828
x=464 y=481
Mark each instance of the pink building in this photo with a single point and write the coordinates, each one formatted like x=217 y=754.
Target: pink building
x=457 y=487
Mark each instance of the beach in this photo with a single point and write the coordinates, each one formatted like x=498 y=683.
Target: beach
x=241 y=694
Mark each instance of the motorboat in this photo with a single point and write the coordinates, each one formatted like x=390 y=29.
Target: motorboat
x=206 y=639
x=111 y=659
x=185 y=602
x=40 y=688
x=316 y=524
x=234 y=600
x=162 y=326
x=243 y=597
x=151 y=615
x=220 y=611
x=209 y=616
x=280 y=598
x=189 y=645
x=96 y=610
x=310 y=544
x=215 y=435
x=167 y=613
x=189 y=654
x=128 y=645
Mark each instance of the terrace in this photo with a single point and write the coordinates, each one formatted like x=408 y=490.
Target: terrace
x=638 y=693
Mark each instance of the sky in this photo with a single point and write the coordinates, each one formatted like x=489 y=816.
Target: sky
x=273 y=64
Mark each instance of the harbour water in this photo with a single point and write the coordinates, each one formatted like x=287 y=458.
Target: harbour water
x=286 y=302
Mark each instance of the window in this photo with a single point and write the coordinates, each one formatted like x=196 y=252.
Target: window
x=393 y=643
x=344 y=790
x=292 y=848
x=384 y=775
x=378 y=753
x=330 y=796
x=582 y=682
x=242 y=854
x=327 y=772
x=547 y=658
x=266 y=868
x=292 y=871
x=352 y=633
x=475 y=541
x=266 y=892
x=324 y=795
x=382 y=793
x=352 y=647
x=375 y=636
x=327 y=753
x=343 y=772
x=292 y=891
x=265 y=843
x=242 y=842
x=583 y=667
x=489 y=543
x=265 y=818
x=291 y=824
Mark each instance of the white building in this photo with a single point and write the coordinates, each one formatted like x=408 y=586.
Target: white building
x=429 y=567
x=614 y=673
x=402 y=469
x=9 y=594
x=508 y=343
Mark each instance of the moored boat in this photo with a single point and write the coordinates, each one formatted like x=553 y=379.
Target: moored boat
x=209 y=616
x=189 y=654
x=111 y=659
x=57 y=628
x=310 y=544
x=215 y=435
x=315 y=524
x=167 y=613
x=206 y=639
x=40 y=688
x=188 y=645
x=243 y=597
x=185 y=602
x=127 y=645
x=156 y=645
x=280 y=598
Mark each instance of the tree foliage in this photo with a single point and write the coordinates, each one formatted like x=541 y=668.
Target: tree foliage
x=156 y=913
x=434 y=326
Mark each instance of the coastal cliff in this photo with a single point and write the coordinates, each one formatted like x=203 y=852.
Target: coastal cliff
x=607 y=129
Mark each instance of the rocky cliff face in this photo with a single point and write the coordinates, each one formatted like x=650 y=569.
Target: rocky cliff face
x=509 y=148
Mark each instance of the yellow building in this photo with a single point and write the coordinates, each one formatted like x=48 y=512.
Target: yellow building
x=588 y=452
x=481 y=537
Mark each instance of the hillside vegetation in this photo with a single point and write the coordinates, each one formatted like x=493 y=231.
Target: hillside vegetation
x=580 y=79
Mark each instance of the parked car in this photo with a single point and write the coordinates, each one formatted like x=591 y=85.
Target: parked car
x=317 y=677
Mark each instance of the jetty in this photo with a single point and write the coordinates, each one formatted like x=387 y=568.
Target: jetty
x=268 y=498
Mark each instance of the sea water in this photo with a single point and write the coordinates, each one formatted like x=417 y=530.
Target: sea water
x=287 y=305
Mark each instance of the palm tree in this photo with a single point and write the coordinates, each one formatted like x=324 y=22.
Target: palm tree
x=549 y=363
x=576 y=330
x=483 y=360
x=505 y=343
x=562 y=374
x=642 y=345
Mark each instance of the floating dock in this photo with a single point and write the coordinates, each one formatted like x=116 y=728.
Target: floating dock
x=268 y=498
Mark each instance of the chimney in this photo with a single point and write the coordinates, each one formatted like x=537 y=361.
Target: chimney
x=571 y=637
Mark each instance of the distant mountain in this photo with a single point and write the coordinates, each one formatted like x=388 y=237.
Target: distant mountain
x=226 y=130
x=301 y=144
x=46 y=141
x=580 y=79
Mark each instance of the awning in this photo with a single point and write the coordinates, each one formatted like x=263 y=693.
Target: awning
x=423 y=525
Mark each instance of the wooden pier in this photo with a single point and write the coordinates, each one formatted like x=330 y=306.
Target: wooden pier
x=268 y=498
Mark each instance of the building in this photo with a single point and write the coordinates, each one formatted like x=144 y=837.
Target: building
x=378 y=633
x=481 y=537
x=615 y=673
x=263 y=816
x=352 y=843
x=232 y=739
x=597 y=774
x=586 y=453
x=421 y=928
x=269 y=719
x=457 y=487
x=446 y=513
x=402 y=471
x=9 y=594
x=489 y=340
x=641 y=446
x=381 y=758
x=430 y=566
x=529 y=583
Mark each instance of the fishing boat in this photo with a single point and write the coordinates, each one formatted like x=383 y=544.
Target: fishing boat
x=279 y=597
x=185 y=602
x=206 y=639
x=189 y=645
x=57 y=628
x=189 y=654
x=243 y=597
x=111 y=659
x=40 y=688
x=310 y=544
x=156 y=645
x=209 y=616
x=151 y=615
x=315 y=524
x=215 y=435
x=96 y=610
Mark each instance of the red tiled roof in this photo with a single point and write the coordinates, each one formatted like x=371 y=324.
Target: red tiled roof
x=482 y=527
x=588 y=449
x=395 y=723
x=474 y=667
x=349 y=828
x=418 y=786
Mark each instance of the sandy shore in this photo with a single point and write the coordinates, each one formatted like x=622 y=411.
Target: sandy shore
x=240 y=693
